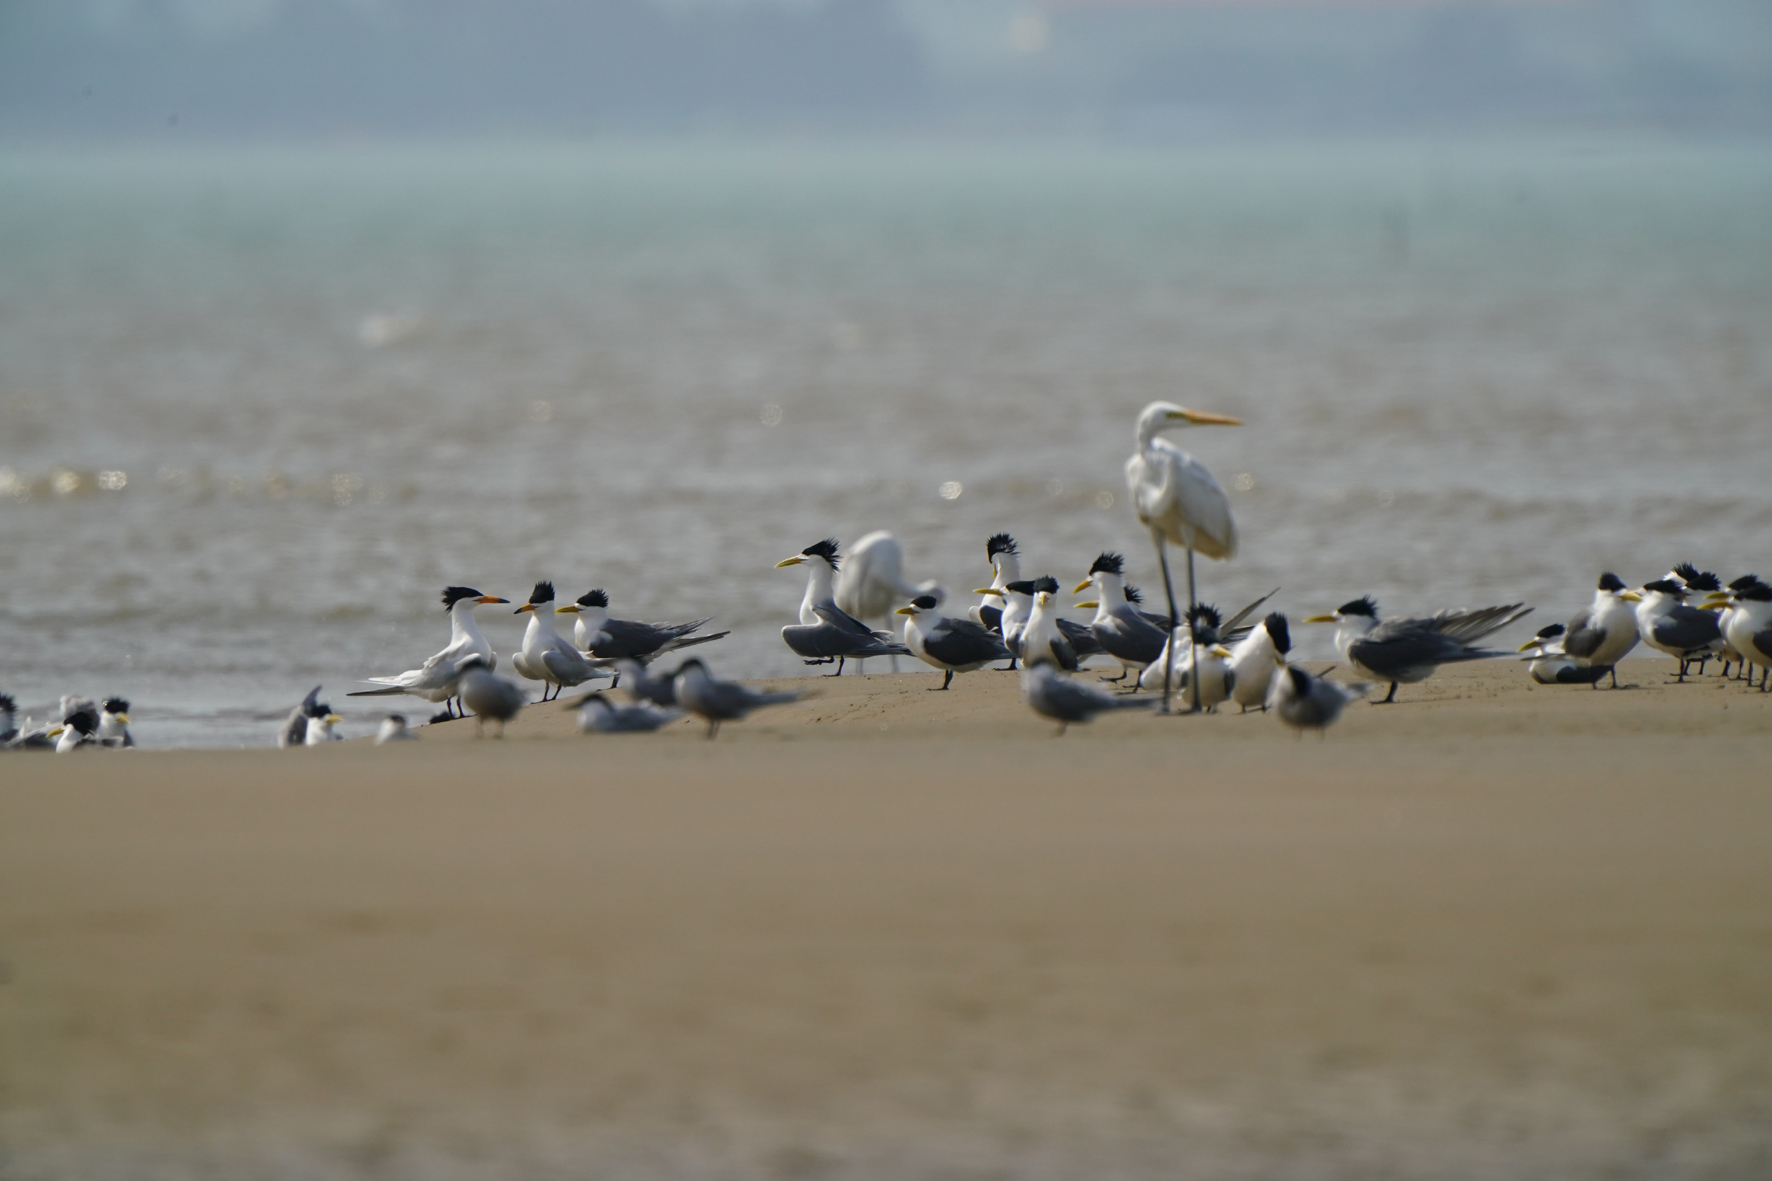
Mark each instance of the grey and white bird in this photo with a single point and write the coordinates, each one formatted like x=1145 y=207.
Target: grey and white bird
x=603 y=638
x=640 y=684
x=435 y=679
x=1050 y=693
x=1749 y=622
x=1178 y=500
x=79 y=725
x=717 y=701
x=113 y=724
x=1256 y=659
x=546 y=655
x=320 y=727
x=488 y=695
x=952 y=645
x=1199 y=643
x=294 y=730
x=1042 y=640
x=394 y=729
x=1005 y=559
x=1018 y=606
x=1119 y=628
x=599 y=715
x=1601 y=634
x=1307 y=702
x=1669 y=624
x=826 y=632
x=1700 y=586
x=1407 y=651
x=1548 y=664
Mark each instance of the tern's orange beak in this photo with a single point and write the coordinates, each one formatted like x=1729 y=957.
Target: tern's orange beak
x=523 y=608
x=490 y=599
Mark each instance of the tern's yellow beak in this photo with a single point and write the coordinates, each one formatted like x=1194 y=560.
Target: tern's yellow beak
x=904 y=611
x=490 y=599
x=1090 y=603
x=333 y=719
x=124 y=718
x=796 y=560
x=1630 y=596
x=1204 y=418
x=1220 y=651
x=988 y=590
x=1717 y=599
x=1529 y=645
x=568 y=609
x=1279 y=661
x=55 y=733
x=1319 y=619
x=1082 y=586
x=523 y=608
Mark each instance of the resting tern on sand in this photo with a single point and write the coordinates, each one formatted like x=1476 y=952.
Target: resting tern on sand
x=1405 y=651
x=113 y=724
x=1256 y=660
x=546 y=655
x=1550 y=665
x=1050 y=693
x=605 y=639
x=1005 y=559
x=720 y=701
x=952 y=645
x=1750 y=625
x=1307 y=702
x=435 y=679
x=1606 y=630
x=1668 y=624
x=487 y=695
x=294 y=730
x=642 y=686
x=1179 y=501
x=1124 y=632
x=599 y=715
x=79 y=726
x=826 y=632
x=394 y=729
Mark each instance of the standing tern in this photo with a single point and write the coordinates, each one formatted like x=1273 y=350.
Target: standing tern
x=1750 y=626
x=1307 y=702
x=435 y=679
x=1052 y=694
x=604 y=638
x=1179 y=501
x=1203 y=668
x=1550 y=665
x=546 y=655
x=294 y=730
x=721 y=701
x=1405 y=651
x=1018 y=605
x=1119 y=627
x=1606 y=630
x=1256 y=660
x=1701 y=584
x=1042 y=640
x=1668 y=624
x=952 y=645
x=1005 y=559
x=487 y=695
x=113 y=724
x=826 y=632
x=599 y=715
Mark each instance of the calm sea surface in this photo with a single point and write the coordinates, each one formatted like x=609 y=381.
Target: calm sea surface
x=257 y=408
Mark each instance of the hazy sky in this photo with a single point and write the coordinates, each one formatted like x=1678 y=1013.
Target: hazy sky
x=304 y=68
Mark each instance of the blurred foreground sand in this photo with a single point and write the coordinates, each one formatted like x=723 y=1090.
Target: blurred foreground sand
x=1487 y=932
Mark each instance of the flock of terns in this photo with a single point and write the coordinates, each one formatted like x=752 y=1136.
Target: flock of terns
x=1017 y=625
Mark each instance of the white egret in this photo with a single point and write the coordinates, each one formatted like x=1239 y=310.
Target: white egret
x=1180 y=502
x=872 y=584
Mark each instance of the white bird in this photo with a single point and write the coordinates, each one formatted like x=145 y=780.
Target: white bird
x=872 y=584
x=1602 y=633
x=435 y=680
x=952 y=645
x=1307 y=702
x=1042 y=640
x=546 y=655
x=79 y=724
x=294 y=730
x=607 y=640
x=320 y=730
x=1018 y=607
x=1669 y=625
x=113 y=724
x=1256 y=659
x=1179 y=501
x=394 y=729
x=1005 y=559
x=1204 y=669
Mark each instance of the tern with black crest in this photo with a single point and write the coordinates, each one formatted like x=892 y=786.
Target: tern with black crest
x=546 y=655
x=1669 y=624
x=952 y=645
x=113 y=724
x=1407 y=651
x=1606 y=630
x=487 y=695
x=1256 y=658
x=603 y=638
x=1550 y=665
x=1307 y=702
x=1005 y=559
x=826 y=632
x=435 y=680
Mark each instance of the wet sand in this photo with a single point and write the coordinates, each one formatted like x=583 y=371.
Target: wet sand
x=1490 y=931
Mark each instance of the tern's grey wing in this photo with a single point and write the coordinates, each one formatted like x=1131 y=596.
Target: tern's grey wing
x=1129 y=637
x=991 y=618
x=1471 y=626
x=1395 y=650
x=819 y=641
x=1581 y=638
x=1686 y=628
x=1763 y=641
x=1082 y=640
x=1245 y=613
x=963 y=642
x=294 y=730
x=1064 y=653
x=840 y=619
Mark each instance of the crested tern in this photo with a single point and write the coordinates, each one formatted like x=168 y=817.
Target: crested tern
x=721 y=701
x=79 y=727
x=1606 y=630
x=1548 y=664
x=1256 y=660
x=294 y=730
x=1018 y=605
x=1052 y=694
x=113 y=724
x=546 y=655
x=435 y=679
x=599 y=636
x=1179 y=501
x=1005 y=559
x=1406 y=651
x=487 y=695
x=1750 y=626
x=1669 y=624
x=642 y=686
x=1042 y=640
x=1202 y=649
x=952 y=645
x=1307 y=702
x=320 y=726
x=1119 y=627
x=826 y=632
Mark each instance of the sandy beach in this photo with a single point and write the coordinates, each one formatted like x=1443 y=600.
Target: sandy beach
x=1493 y=930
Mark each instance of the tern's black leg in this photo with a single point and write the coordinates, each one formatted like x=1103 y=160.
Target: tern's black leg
x=1388 y=697
x=1615 y=676
x=946 y=681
